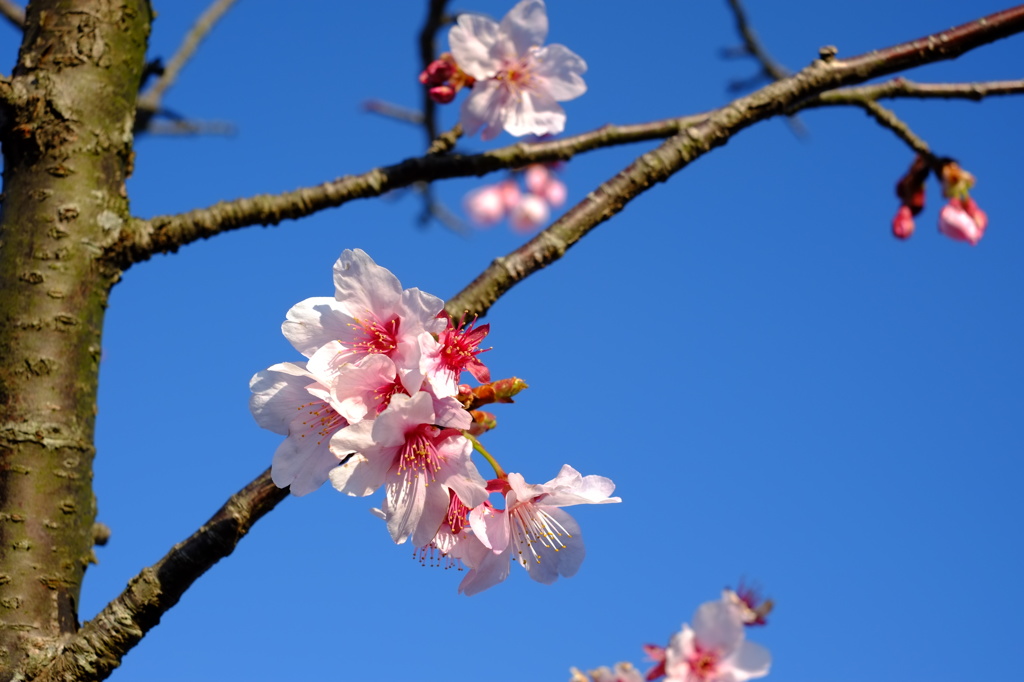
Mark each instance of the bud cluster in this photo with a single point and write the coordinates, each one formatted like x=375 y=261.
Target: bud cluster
x=960 y=219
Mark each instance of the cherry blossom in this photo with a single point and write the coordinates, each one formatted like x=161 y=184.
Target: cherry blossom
x=518 y=82
x=714 y=649
x=289 y=400
x=416 y=460
x=369 y=314
x=532 y=529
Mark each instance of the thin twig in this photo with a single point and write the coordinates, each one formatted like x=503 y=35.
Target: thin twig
x=151 y=99
x=771 y=69
x=887 y=118
x=903 y=88
x=13 y=13
x=428 y=52
x=752 y=45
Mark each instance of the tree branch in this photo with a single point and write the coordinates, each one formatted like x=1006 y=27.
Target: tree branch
x=101 y=643
x=149 y=102
x=12 y=13
x=679 y=151
x=901 y=87
x=167 y=233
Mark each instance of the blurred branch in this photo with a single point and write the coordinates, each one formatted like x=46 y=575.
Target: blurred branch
x=399 y=113
x=13 y=13
x=428 y=52
x=680 y=150
x=98 y=647
x=770 y=69
x=149 y=103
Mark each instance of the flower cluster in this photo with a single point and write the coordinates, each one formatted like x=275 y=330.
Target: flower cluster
x=516 y=83
x=960 y=219
x=712 y=649
x=378 y=403
x=526 y=211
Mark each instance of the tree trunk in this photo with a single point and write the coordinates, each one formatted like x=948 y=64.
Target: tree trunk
x=67 y=144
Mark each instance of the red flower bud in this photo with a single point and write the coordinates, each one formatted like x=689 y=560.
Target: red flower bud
x=442 y=94
x=903 y=223
x=437 y=72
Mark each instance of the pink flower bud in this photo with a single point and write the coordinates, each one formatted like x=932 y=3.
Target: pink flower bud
x=437 y=72
x=442 y=94
x=530 y=213
x=537 y=178
x=956 y=223
x=903 y=223
x=485 y=206
x=977 y=215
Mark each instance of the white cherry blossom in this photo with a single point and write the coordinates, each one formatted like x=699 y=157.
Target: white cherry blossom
x=518 y=82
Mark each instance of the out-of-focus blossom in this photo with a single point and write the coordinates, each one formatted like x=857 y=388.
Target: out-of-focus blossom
x=714 y=649
x=532 y=529
x=657 y=654
x=957 y=223
x=753 y=608
x=487 y=205
x=622 y=672
x=903 y=223
x=518 y=82
x=527 y=211
x=529 y=214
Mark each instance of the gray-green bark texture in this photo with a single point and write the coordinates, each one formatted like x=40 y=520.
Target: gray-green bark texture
x=68 y=110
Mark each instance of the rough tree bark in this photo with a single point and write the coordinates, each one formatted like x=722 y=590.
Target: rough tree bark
x=68 y=111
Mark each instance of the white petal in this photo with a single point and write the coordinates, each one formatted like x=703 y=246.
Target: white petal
x=750 y=660
x=534 y=113
x=313 y=323
x=302 y=463
x=490 y=526
x=277 y=393
x=358 y=477
x=361 y=285
x=553 y=550
x=404 y=504
x=718 y=625
x=561 y=70
x=569 y=487
x=492 y=570
x=471 y=41
x=485 y=107
x=526 y=25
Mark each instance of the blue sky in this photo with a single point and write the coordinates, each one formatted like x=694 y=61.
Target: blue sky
x=780 y=390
